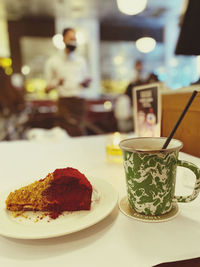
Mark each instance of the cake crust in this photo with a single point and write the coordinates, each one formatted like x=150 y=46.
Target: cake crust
x=29 y=197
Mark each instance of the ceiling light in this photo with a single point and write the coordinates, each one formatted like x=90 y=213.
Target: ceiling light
x=131 y=7
x=58 y=41
x=145 y=44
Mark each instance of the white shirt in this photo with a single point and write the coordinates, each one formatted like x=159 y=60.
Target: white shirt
x=71 y=68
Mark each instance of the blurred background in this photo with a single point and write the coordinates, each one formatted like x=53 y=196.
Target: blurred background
x=112 y=35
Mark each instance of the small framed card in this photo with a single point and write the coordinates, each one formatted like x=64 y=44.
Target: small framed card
x=147 y=110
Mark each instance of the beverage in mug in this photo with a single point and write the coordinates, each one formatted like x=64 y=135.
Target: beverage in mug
x=151 y=174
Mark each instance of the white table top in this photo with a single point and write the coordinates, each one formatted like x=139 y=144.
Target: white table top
x=115 y=241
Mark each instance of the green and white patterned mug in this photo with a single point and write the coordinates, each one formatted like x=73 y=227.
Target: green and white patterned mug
x=151 y=174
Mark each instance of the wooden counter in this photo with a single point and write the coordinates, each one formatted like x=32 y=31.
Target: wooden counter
x=189 y=129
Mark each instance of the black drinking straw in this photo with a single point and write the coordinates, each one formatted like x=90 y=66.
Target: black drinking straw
x=179 y=120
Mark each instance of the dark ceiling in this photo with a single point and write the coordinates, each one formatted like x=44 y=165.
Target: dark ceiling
x=157 y=11
x=114 y=24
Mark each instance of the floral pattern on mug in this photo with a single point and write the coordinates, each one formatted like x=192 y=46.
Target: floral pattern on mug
x=150 y=180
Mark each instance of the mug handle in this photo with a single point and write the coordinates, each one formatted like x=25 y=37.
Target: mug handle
x=196 y=190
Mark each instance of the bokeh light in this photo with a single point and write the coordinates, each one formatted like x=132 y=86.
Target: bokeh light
x=145 y=44
x=131 y=7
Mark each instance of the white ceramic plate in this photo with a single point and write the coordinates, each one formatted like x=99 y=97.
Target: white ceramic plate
x=32 y=227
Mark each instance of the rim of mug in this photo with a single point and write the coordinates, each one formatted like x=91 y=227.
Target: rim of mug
x=149 y=150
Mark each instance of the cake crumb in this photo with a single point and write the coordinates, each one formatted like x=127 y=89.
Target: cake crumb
x=15 y=214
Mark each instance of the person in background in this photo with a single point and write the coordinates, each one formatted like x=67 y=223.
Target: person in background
x=137 y=80
x=152 y=78
x=124 y=104
x=12 y=105
x=67 y=72
x=123 y=113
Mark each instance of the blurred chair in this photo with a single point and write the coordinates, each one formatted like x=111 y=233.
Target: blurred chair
x=12 y=106
x=189 y=130
x=99 y=117
x=71 y=113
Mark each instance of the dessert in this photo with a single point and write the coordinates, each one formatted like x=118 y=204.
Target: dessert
x=63 y=190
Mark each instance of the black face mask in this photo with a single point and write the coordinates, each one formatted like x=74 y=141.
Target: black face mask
x=70 y=47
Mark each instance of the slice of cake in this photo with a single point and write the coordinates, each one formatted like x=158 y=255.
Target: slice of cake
x=63 y=190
